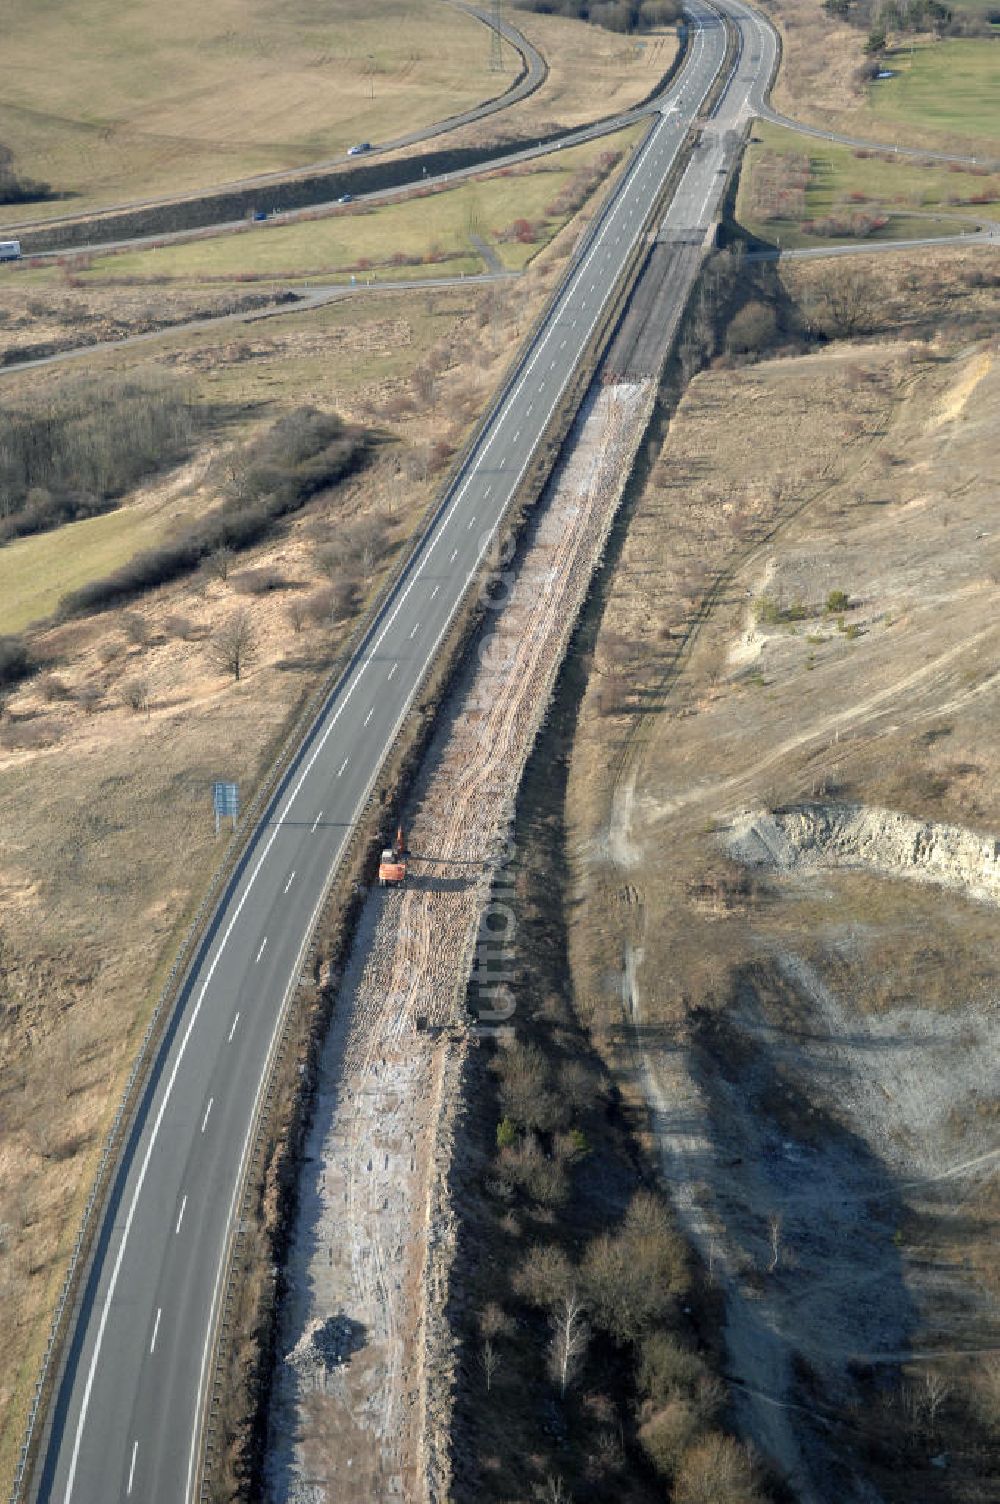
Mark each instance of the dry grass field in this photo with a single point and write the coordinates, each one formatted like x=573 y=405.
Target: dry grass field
x=806 y=621
x=225 y=93
x=143 y=100
x=108 y=837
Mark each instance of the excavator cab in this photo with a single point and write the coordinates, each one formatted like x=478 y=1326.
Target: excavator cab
x=392 y=867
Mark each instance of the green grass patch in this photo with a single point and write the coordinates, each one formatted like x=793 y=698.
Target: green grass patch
x=951 y=87
x=35 y=573
x=517 y=213
x=792 y=183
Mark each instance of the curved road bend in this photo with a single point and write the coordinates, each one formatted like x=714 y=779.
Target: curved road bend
x=536 y=71
x=125 y=1423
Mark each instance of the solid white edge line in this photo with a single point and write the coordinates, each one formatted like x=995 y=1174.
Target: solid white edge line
x=345 y=698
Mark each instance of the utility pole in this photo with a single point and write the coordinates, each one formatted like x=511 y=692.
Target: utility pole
x=496 y=40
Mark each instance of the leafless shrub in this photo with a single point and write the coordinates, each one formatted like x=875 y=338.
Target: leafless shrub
x=525 y=1088
x=179 y=626
x=135 y=693
x=544 y=1276
x=525 y=1165
x=632 y=1278
x=235 y=643
x=89 y=698
x=714 y=1469
x=668 y=1434
x=258 y=581
x=219 y=562
x=136 y=628
x=52 y=688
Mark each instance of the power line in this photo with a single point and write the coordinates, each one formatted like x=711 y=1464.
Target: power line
x=496 y=40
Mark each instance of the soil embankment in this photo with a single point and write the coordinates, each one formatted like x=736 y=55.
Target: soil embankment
x=374 y=1239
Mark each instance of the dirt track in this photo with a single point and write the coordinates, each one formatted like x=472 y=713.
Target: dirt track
x=374 y=1240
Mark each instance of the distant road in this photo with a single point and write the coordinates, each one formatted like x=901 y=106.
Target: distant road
x=535 y=72
x=126 y=1421
x=865 y=145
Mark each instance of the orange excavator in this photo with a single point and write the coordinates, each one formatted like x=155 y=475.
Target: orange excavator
x=392 y=867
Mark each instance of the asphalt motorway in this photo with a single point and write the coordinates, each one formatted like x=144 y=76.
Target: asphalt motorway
x=125 y=1424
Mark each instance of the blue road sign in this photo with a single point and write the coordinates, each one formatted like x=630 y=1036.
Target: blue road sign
x=226 y=799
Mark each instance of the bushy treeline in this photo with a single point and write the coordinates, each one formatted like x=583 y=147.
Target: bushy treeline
x=276 y=474
x=16 y=661
x=74 y=452
x=15 y=189
x=613 y=15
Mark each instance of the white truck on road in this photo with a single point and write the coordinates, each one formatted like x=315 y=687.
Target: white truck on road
x=10 y=250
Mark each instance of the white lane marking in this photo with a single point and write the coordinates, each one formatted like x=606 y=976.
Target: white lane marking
x=454 y=556
x=317 y=751
x=435 y=591
x=416 y=628
x=156 y=1327
x=516 y=437
x=562 y=347
x=317 y=820
x=261 y=951
x=131 y=1471
x=369 y=715
x=527 y=412
x=291 y=879
x=487 y=492
x=233 y=1029
x=472 y=523
x=208 y=1109
x=343 y=765
x=180 y=1219
x=391 y=672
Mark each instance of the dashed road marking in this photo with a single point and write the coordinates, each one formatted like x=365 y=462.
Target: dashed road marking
x=343 y=765
x=316 y=821
x=291 y=879
x=208 y=1109
x=391 y=672
x=369 y=715
x=261 y=951
x=156 y=1328
x=131 y=1471
x=416 y=627
x=180 y=1216
x=435 y=591
x=233 y=1029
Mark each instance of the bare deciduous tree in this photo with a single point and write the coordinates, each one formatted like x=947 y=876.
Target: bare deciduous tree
x=568 y=1345
x=235 y=643
x=774 y=1235
x=489 y=1362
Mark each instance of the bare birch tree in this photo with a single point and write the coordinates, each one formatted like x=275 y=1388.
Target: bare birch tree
x=568 y=1344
